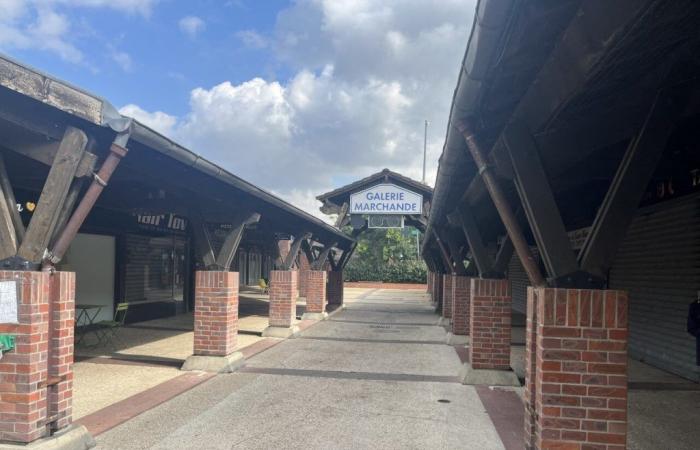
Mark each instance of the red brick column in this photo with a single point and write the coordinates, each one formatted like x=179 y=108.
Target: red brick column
x=429 y=284
x=460 y=305
x=304 y=269
x=60 y=362
x=581 y=362
x=283 y=298
x=447 y=296
x=23 y=403
x=334 y=294
x=530 y=392
x=215 y=313
x=489 y=324
x=437 y=290
x=316 y=291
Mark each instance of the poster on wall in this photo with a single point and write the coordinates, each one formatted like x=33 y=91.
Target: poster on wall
x=8 y=302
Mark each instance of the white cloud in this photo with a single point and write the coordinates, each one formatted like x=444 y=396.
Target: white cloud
x=123 y=60
x=366 y=74
x=46 y=25
x=191 y=25
x=159 y=121
x=252 y=39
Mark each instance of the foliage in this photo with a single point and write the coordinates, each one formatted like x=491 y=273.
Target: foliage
x=389 y=255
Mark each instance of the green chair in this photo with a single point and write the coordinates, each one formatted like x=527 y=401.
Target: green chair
x=108 y=328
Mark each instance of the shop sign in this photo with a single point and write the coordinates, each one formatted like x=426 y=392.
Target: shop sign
x=161 y=222
x=386 y=199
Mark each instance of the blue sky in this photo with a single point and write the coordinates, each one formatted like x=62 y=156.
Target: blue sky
x=334 y=89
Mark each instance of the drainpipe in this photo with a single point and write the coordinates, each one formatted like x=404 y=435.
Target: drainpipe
x=502 y=206
x=99 y=181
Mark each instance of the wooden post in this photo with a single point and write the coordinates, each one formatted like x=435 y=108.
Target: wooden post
x=50 y=205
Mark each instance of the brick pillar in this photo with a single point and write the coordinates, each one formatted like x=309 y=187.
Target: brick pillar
x=460 y=305
x=334 y=294
x=283 y=303
x=23 y=403
x=437 y=291
x=316 y=295
x=447 y=296
x=430 y=284
x=304 y=269
x=215 y=313
x=489 y=324
x=530 y=392
x=60 y=362
x=580 y=392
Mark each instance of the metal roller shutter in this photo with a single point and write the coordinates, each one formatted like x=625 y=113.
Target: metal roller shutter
x=658 y=263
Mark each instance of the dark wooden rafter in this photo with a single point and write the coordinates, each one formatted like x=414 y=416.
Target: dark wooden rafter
x=333 y=259
x=51 y=201
x=202 y=239
x=464 y=218
x=233 y=240
x=455 y=248
x=8 y=207
x=444 y=253
x=342 y=215
x=538 y=202
x=627 y=188
x=503 y=256
x=9 y=198
x=322 y=257
x=291 y=257
x=439 y=261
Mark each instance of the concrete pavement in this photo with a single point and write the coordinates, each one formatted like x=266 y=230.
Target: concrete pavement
x=377 y=374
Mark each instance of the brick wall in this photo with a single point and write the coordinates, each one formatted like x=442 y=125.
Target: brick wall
x=530 y=392
x=334 y=292
x=283 y=297
x=447 y=296
x=60 y=361
x=489 y=324
x=437 y=290
x=580 y=391
x=215 y=313
x=23 y=403
x=304 y=269
x=316 y=291
x=460 y=304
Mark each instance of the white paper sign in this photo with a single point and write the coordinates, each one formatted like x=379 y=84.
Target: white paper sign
x=8 y=302
x=386 y=199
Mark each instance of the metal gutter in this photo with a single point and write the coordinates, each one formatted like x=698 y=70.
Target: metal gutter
x=491 y=19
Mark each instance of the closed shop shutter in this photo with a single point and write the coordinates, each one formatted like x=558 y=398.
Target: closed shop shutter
x=658 y=264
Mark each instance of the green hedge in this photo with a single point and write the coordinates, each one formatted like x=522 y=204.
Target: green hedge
x=400 y=272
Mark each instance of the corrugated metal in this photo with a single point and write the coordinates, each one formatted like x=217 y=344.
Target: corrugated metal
x=658 y=263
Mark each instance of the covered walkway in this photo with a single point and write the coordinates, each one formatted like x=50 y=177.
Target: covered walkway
x=376 y=374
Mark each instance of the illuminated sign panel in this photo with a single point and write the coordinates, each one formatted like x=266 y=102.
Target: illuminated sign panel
x=386 y=199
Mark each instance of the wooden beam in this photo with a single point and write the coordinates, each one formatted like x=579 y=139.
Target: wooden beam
x=202 y=240
x=538 y=202
x=308 y=251
x=322 y=257
x=627 y=188
x=503 y=257
x=480 y=255
x=457 y=256
x=233 y=240
x=8 y=236
x=70 y=153
x=9 y=198
x=447 y=262
x=294 y=251
x=341 y=215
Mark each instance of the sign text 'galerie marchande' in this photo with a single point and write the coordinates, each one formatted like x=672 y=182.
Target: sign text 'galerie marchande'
x=386 y=199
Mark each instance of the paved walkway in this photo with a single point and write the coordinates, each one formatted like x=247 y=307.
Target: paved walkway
x=376 y=375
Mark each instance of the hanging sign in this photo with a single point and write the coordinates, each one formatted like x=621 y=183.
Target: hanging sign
x=386 y=199
x=8 y=302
